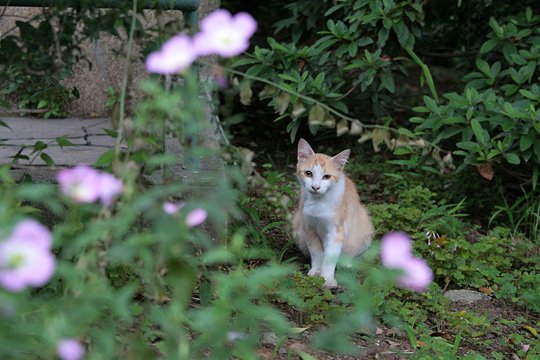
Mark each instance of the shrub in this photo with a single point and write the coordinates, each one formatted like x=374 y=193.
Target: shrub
x=493 y=125
x=344 y=56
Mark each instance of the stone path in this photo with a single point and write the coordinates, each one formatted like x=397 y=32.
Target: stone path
x=88 y=135
x=90 y=143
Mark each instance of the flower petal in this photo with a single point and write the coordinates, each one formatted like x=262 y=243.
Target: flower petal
x=109 y=188
x=417 y=275
x=32 y=233
x=395 y=249
x=196 y=217
x=176 y=55
x=70 y=349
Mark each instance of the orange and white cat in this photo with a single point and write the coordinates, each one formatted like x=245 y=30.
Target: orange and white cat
x=330 y=219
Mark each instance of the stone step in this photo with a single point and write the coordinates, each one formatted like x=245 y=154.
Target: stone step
x=90 y=141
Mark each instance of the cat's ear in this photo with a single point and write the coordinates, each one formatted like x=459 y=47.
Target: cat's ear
x=304 y=150
x=341 y=159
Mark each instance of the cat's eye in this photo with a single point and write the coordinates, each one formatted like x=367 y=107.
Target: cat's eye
x=308 y=173
x=326 y=177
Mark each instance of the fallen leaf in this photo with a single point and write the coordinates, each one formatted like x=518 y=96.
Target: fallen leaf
x=486 y=290
x=246 y=93
x=282 y=101
x=356 y=127
x=316 y=115
x=298 y=330
x=531 y=329
x=298 y=109
x=486 y=171
x=342 y=127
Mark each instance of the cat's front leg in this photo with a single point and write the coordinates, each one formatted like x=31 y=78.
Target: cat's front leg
x=332 y=251
x=316 y=253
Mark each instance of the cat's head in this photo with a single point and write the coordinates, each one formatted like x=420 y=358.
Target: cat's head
x=319 y=172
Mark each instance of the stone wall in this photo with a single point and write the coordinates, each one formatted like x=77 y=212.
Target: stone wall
x=107 y=65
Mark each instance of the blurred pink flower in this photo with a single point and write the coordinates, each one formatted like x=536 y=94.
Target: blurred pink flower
x=70 y=349
x=224 y=34
x=417 y=275
x=80 y=183
x=172 y=208
x=109 y=188
x=175 y=55
x=396 y=253
x=86 y=185
x=395 y=247
x=196 y=217
x=25 y=257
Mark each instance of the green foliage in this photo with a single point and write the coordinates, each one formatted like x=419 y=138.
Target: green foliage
x=38 y=55
x=493 y=123
x=348 y=65
x=417 y=212
x=500 y=260
x=307 y=299
x=36 y=61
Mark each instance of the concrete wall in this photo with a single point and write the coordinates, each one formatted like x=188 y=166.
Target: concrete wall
x=108 y=65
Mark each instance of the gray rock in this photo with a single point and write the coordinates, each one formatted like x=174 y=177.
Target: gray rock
x=270 y=339
x=465 y=296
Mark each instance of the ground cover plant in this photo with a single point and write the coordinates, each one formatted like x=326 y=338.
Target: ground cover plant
x=102 y=265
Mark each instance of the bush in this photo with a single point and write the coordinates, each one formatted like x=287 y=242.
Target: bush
x=493 y=124
x=341 y=56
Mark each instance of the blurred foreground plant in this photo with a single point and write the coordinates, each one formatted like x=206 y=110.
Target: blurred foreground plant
x=130 y=272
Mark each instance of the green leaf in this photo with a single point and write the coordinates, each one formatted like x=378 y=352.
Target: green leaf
x=39 y=146
x=512 y=158
x=488 y=46
x=105 y=159
x=526 y=141
x=406 y=132
x=477 y=130
x=387 y=81
x=63 y=141
x=468 y=145
x=111 y=133
x=42 y=104
x=47 y=159
x=287 y=77
x=431 y=104
x=483 y=66
x=365 y=40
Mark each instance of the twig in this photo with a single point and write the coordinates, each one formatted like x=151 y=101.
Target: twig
x=23 y=111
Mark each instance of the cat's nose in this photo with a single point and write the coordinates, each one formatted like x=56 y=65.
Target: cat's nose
x=315 y=187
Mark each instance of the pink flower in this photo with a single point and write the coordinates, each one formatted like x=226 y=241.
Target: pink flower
x=224 y=34
x=172 y=208
x=175 y=55
x=396 y=253
x=196 y=217
x=109 y=188
x=80 y=183
x=84 y=184
x=70 y=349
x=25 y=257
x=395 y=248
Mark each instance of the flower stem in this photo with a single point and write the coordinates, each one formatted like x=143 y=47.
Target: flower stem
x=120 y=132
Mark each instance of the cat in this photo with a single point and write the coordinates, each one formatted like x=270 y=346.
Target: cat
x=330 y=219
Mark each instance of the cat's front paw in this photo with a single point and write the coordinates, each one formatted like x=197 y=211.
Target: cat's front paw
x=330 y=283
x=314 y=272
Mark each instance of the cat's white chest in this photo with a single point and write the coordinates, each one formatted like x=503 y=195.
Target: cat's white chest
x=320 y=211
